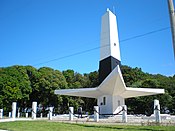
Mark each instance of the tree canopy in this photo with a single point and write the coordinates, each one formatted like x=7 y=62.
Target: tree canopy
x=25 y=84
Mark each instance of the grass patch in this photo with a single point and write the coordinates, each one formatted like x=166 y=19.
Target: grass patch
x=57 y=126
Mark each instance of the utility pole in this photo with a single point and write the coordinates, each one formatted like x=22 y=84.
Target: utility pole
x=172 y=21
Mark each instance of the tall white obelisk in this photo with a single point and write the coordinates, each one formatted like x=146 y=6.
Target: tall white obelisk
x=112 y=91
x=109 y=59
x=110 y=50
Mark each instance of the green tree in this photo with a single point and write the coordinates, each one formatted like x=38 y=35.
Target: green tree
x=132 y=75
x=26 y=84
x=14 y=86
x=144 y=105
x=45 y=82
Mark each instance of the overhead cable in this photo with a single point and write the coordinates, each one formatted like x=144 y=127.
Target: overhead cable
x=89 y=50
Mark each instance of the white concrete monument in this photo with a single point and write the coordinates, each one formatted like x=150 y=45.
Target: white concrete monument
x=96 y=113
x=13 y=110
x=10 y=114
x=18 y=114
x=34 y=110
x=124 y=114
x=50 y=113
x=27 y=115
x=71 y=113
x=1 y=113
x=112 y=91
x=157 y=111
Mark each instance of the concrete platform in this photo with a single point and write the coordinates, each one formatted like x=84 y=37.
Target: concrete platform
x=167 y=120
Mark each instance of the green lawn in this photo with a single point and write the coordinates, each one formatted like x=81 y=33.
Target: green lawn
x=57 y=126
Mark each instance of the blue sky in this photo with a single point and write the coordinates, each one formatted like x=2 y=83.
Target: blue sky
x=34 y=32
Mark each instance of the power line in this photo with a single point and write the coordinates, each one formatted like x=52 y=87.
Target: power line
x=78 y=53
x=89 y=50
x=142 y=35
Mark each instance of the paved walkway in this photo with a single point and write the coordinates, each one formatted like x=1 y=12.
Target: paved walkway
x=20 y=119
x=133 y=120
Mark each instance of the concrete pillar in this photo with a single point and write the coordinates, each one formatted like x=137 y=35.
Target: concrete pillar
x=13 y=110
x=1 y=113
x=124 y=114
x=10 y=114
x=96 y=113
x=18 y=114
x=41 y=115
x=71 y=113
x=156 y=102
x=172 y=21
x=34 y=107
x=50 y=113
x=27 y=115
x=157 y=111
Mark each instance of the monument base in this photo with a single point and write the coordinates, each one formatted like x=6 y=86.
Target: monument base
x=110 y=104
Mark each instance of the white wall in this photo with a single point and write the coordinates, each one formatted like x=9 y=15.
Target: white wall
x=111 y=105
